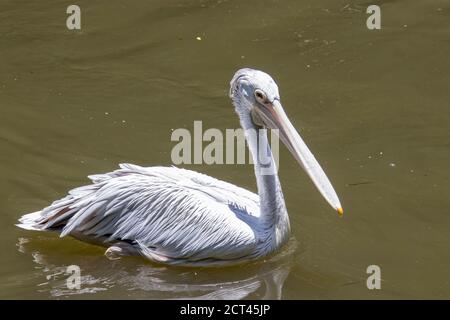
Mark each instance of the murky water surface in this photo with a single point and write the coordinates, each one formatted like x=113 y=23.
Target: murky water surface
x=372 y=105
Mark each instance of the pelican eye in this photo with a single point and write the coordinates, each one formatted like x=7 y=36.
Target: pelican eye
x=260 y=96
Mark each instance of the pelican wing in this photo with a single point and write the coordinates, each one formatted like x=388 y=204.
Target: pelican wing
x=168 y=214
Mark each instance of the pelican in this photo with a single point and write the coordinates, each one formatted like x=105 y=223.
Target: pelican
x=181 y=217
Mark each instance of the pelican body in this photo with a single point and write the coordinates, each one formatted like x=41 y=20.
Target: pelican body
x=181 y=217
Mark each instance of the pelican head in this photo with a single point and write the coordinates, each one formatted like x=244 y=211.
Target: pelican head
x=257 y=102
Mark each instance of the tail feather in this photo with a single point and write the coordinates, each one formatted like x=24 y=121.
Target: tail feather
x=30 y=221
x=56 y=216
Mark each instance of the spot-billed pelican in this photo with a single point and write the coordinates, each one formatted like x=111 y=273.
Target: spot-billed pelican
x=181 y=217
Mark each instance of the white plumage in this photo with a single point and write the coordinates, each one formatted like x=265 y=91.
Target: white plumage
x=174 y=215
x=177 y=216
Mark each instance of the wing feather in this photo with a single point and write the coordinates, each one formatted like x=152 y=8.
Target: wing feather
x=169 y=213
